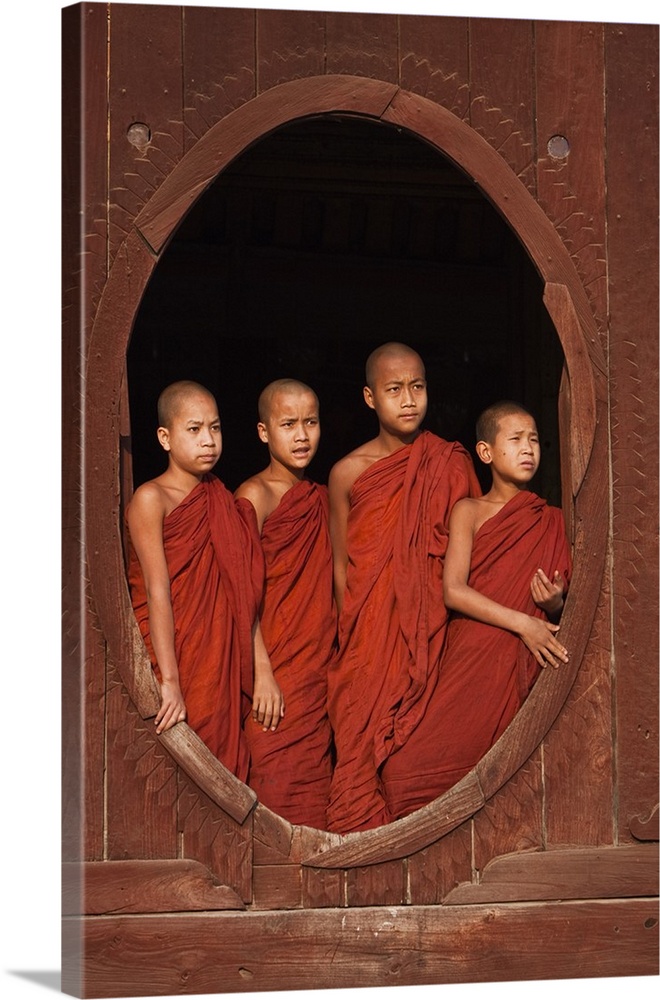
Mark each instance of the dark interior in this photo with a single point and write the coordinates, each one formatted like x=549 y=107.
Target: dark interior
x=320 y=242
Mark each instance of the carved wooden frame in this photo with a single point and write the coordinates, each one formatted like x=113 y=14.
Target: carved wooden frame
x=583 y=431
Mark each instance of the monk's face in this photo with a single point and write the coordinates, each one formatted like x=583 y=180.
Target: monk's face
x=515 y=454
x=292 y=430
x=193 y=437
x=398 y=393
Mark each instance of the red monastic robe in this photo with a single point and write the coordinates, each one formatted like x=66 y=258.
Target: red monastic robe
x=393 y=621
x=485 y=672
x=215 y=584
x=291 y=768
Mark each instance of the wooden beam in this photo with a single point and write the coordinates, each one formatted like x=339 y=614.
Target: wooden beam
x=146 y=887
x=366 y=946
x=582 y=873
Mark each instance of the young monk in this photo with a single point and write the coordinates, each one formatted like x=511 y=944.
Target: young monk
x=290 y=770
x=195 y=585
x=507 y=569
x=390 y=501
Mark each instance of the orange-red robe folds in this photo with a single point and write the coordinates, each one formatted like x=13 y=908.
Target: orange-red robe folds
x=393 y=620
x=291 y=768
x=215 y=585
x=485 y=672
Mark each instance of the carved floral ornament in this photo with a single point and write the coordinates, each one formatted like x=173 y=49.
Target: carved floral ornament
x=582 y=428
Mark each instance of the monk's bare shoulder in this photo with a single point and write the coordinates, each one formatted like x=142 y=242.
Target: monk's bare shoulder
x=262 y=493
x=469 y=513
x=344 y=473
x=150 y=498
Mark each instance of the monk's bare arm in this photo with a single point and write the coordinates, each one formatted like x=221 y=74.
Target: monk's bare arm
x=537 y=635
x=256 y=492
x=267 y=698
x=145 y=521
x=342 y=476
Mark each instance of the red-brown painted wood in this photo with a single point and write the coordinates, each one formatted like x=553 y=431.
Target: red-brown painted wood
x=502 y=95
x=370 y=946
x=434 y=59
x=569 y=775
x=144 y=91
x=632 y=172
x=289 y=46
x=150 y=887
x=217 y=77
x=362 y=45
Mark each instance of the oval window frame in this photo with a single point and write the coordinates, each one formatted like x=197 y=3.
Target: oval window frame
x=582 y=412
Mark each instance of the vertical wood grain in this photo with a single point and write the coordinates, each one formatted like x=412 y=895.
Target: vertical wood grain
x=513 y=819
x=363 y=45
x=145 y=89
x=570 y=105
x=219 y=72
x=632 y=199
x=437 y=869
x=569 y=100
x=141 y=783
x=290 y=45
x=208 y=835
x=501 y=90
x=434 y=61
x=84 y=231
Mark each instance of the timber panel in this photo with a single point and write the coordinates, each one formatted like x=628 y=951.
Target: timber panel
x=368 y=947
x=537 y=827
x=632 y=159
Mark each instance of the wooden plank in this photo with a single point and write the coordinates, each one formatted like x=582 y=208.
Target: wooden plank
x=578 y=751
x=84 y=194
x=208 y=835
x=501 y=74
x=362 y=44
x=149 y=887
x=582 y=425
x=439 y=868
x=404 y=836
x=323 y=887
x=144 y=91
x=369 y=946
x=277 y=887
x=377 y=885
x=434 y=59
x=140 y=780
x=632 y=194
x=273 y=838
x=208 y=773
x=513 y=820
x=219 y=72
x=290 y=45
x=598 y=873
x=570 y=106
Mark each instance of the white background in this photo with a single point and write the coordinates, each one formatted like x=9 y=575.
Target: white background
x=30 y=401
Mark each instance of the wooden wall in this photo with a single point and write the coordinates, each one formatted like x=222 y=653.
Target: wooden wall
x=552 y=869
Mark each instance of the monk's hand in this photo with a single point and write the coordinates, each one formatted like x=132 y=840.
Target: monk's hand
x=548 y=594
x=540 y=637
x=267 y=703
x=172 y=706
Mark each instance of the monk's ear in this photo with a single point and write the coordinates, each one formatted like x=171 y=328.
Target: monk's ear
x=368 y=397
x=164 y=437
x=484 y=452
x=262 y=432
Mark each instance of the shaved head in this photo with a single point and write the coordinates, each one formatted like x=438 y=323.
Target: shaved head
x=488 y=422
x=281 y=385
x=171 y=398
x=388 y=352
